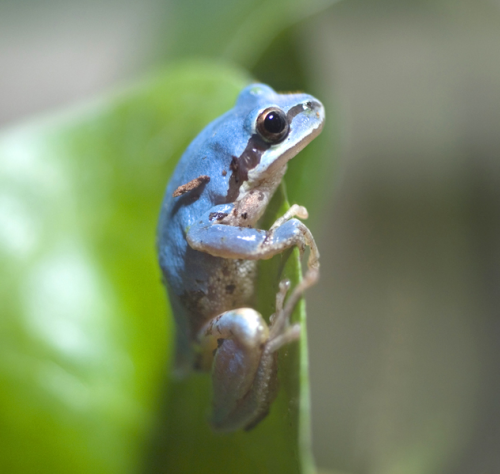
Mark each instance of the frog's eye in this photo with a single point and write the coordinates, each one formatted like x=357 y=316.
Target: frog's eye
x=272 y=125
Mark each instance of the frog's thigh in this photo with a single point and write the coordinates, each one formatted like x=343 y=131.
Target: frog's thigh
x=238 y=338
x=252 y=244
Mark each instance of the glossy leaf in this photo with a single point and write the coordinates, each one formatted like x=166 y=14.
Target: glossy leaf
x=84 y=337
x=84 y=340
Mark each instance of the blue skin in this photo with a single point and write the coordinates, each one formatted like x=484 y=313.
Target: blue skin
x=208 y=247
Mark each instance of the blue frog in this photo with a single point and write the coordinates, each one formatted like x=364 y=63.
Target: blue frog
x=208 y=245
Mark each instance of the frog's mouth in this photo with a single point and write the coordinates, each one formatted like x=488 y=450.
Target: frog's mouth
x=262 y=161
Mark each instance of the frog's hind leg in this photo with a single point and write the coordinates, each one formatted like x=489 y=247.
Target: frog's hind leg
x=265 y=386
x=245 y=358
x=234 y=341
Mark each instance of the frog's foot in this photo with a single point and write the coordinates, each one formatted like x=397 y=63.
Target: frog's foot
x=242 y=349
x=295 y=210
x=280 y=332
x=284 y=286
x=307 y=239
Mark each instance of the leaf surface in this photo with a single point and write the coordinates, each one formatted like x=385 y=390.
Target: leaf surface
x=85 y=331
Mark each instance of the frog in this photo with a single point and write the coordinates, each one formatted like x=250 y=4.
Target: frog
x=209 y=242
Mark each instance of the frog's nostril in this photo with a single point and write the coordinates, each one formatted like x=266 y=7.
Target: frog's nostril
x=313 y=105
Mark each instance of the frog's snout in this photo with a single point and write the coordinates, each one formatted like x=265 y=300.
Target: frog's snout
x=316 y=107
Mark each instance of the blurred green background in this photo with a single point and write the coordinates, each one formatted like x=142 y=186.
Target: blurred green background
x=404 y=324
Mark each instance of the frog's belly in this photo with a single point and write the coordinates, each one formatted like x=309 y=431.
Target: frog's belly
x=228 y=285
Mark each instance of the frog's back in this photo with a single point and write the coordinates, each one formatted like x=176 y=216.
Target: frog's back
x=200 y=285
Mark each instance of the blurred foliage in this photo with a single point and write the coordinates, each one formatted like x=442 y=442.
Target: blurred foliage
x=236 y=31
x=84 y=344
x=83 y=334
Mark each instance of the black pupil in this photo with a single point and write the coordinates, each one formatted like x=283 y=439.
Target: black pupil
x=274 y=122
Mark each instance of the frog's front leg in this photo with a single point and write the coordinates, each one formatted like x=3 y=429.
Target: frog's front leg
x=242 y=351
x=211 y=235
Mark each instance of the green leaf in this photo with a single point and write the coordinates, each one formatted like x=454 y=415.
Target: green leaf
x=236 y=31
x=184 y=441
x=84 y=339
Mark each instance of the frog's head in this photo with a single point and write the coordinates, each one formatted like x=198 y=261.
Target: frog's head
x=278 y=127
